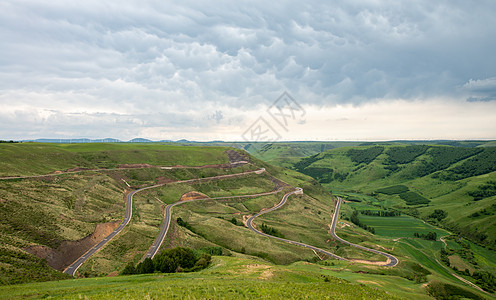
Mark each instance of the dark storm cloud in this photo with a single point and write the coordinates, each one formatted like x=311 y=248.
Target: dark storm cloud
x=133 y=58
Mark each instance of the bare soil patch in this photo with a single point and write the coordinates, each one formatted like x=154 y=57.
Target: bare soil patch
x=69 y=251
x=371 y=262
x=278 y=183
x=236 y=157
x=193 y=195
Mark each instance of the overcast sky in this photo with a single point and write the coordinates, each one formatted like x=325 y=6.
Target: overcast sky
x=352 y=70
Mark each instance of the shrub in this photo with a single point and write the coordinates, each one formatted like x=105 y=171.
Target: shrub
x=271 y=231
x=438 y=214
x=484 y=191
x=441 y=290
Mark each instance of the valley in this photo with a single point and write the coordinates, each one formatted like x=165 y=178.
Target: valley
x=221 y=190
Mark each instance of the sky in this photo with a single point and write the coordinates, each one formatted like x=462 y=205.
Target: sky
x=248 y=70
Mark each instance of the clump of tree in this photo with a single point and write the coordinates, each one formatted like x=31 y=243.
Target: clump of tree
x=170 y=261
x=322 y=175
x=356 y=220
x=484 y=191
x=381 y=213
x=11 y=141
x=430 y=236
x=234 y=221
x=485 y=280
x=438 y=214
x=441 y=290
x=404 y=155
x=482 y=212
x=270 y=231
x=305 y=162
x=365 y=156
x=393 y=190
x=185 y=224
x=482 y=163
x=442 y=157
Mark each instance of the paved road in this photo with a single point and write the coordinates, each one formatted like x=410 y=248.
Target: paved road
x=167 y=219
x=71 y=269
x=249 y=223
x=127 y=217
x=393 y=261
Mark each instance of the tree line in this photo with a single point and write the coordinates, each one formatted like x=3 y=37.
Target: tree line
x=170 y=261
x=381 y=213
x=356 y=220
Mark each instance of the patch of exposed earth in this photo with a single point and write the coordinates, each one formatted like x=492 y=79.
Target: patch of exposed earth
x=193 y=195
x=69 y=251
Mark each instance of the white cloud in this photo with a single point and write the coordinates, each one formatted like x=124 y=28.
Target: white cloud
x=166 y=63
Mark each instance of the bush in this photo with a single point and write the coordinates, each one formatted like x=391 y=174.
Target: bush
x=484 y=191
x=217 y=251
x=185 y=224
x=441 y=290
x=431 y=236
x=271 y=231
x=438 y=214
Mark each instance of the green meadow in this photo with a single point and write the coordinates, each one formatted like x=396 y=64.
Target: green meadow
x=43 y=211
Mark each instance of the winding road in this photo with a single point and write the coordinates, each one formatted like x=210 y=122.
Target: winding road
x=249 y=223
x=72 y=268
x=392 y=261
x=167 y=219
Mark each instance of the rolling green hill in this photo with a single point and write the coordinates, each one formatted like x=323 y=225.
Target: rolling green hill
x=51 y=216
x=457 y=180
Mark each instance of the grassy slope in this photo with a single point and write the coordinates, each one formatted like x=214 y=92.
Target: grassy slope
x=364 y=179
x=210 y=221
x=451 y=196
x=48 y=210
x=38 y=159
x=286 y=154
x=228 y=277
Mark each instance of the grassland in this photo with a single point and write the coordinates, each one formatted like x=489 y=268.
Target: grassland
x=38 y=159
x=253 y=266
x=227 y=278
x=426 y=173
x=45 y=211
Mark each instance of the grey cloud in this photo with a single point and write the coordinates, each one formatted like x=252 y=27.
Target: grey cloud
x=481 y=89
x=157 y=56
